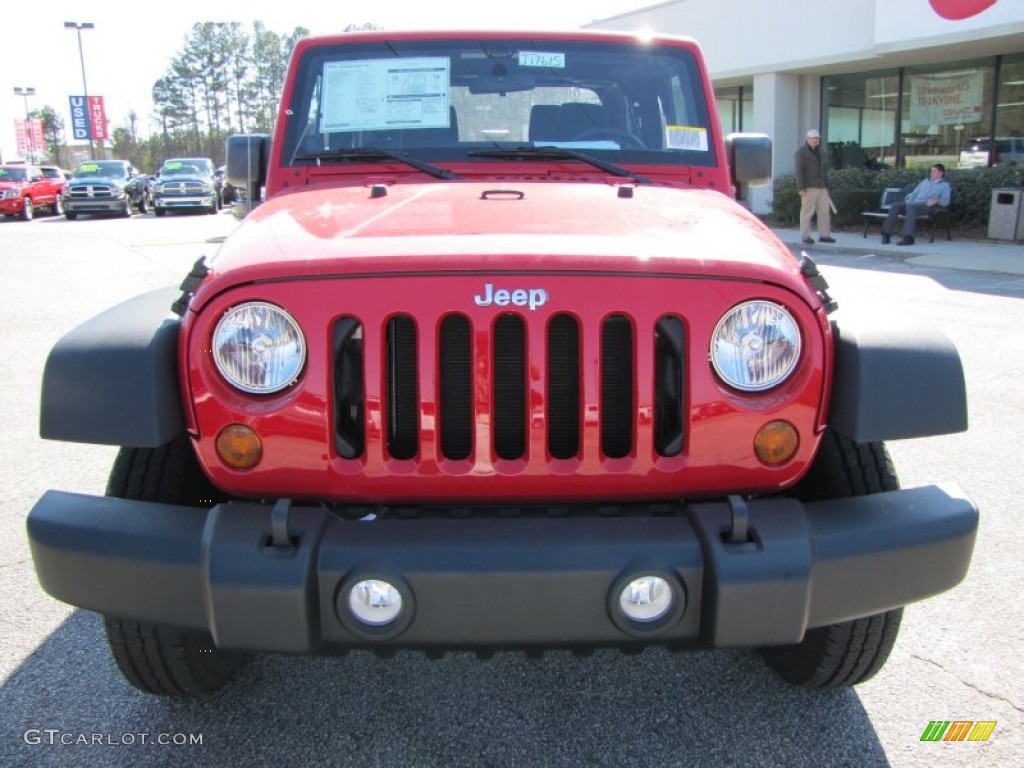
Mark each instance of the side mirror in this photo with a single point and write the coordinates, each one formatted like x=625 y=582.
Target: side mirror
x=247 y=159
x=750 y=160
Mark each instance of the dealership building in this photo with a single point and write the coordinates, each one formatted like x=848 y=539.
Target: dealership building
x=889 y=83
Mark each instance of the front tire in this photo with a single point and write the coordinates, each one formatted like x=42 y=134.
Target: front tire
x=168 y=662
x=28 y=210
x=163 y=660
x=850 y=652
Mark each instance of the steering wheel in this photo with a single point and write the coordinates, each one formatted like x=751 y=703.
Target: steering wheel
x=624 y=139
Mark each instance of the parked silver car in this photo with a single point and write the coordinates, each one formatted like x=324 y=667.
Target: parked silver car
x=975 y=152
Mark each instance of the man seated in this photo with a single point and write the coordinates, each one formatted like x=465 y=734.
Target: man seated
x=931 y=192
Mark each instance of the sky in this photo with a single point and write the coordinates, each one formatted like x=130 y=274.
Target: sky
x=132 y=44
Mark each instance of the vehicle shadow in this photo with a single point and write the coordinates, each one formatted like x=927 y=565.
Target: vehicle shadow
x=704 y=708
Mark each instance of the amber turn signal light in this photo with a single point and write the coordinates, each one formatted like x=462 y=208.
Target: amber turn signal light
x=239 y=447
x=776 y=443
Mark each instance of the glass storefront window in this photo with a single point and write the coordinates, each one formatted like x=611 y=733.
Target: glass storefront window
x=735 y=108
x=943 y=115
x=860 y=122
x=1010 y=114
x=945 y=107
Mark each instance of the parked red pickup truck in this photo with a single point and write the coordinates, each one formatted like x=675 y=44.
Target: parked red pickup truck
x=25 y=188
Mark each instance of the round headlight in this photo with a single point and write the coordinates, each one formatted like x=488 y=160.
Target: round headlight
x=755 y=346
x=258 y=348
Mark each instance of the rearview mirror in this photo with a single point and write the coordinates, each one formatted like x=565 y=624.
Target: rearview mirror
x=505 y=83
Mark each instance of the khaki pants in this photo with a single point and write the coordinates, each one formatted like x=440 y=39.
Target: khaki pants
x=815 y=200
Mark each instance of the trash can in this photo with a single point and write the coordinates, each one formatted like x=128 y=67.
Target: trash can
x=1005 y=221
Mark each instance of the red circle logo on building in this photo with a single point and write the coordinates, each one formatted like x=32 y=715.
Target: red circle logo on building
x=955 y=10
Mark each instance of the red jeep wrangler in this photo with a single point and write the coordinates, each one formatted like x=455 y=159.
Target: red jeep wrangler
x=500 y=362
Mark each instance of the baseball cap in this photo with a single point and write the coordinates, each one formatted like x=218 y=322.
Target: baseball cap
x=813 y=134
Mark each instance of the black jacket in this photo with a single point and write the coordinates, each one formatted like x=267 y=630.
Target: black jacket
x=810 y=168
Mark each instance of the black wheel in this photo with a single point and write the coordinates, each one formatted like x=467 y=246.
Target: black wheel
x=853 y=651
x=28 y=210
x=127 y=212
x=159 y=211
x=156 y=659
x=57 y=209
x=168 y=662
x=70 y=215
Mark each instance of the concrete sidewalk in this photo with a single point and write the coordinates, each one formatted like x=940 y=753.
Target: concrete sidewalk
x=975 y=255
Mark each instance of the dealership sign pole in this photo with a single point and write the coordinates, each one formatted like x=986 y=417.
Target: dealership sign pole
x=84 y=99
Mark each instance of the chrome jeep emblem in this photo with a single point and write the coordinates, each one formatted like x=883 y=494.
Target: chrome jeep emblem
x=517 y=297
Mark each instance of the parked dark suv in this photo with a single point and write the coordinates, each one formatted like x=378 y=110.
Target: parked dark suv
x=187 y=183
x=104 y=187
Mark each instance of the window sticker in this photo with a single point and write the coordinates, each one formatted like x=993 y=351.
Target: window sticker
x=690 y=137
x=541 y=59
x=174 y=165
x=88 y=167
x=389 y=94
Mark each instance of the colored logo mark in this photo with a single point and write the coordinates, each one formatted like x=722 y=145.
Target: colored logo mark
x=956 y=10
x=958 y=730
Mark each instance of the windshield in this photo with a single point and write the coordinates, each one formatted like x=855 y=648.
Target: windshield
x=13 y=174
x=450 y=99
x=186 y=168
x=107 y=170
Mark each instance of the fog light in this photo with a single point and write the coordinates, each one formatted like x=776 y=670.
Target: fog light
x=375 y=602
x=239 y=447
x=776 y=443
x=646 y=599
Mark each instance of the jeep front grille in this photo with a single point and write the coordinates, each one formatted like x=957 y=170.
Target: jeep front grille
x=500 y=374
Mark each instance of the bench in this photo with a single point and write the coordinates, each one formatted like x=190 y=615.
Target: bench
x=940 y=216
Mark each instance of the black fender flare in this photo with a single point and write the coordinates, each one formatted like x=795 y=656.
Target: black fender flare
x=113 y=380
x=895 y=378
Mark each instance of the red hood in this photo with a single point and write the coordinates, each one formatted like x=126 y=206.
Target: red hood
x=531 y=226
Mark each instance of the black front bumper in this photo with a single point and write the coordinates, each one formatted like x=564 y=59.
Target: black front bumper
x=498 y=581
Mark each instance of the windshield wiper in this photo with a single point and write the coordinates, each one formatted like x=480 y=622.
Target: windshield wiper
x=561 y=153
x=374 y=154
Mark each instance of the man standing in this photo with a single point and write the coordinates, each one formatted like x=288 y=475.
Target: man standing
x=931 y=192
x=811 y=183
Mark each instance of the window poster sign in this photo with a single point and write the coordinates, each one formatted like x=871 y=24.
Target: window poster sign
x=945 y=99
x=375 y=95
